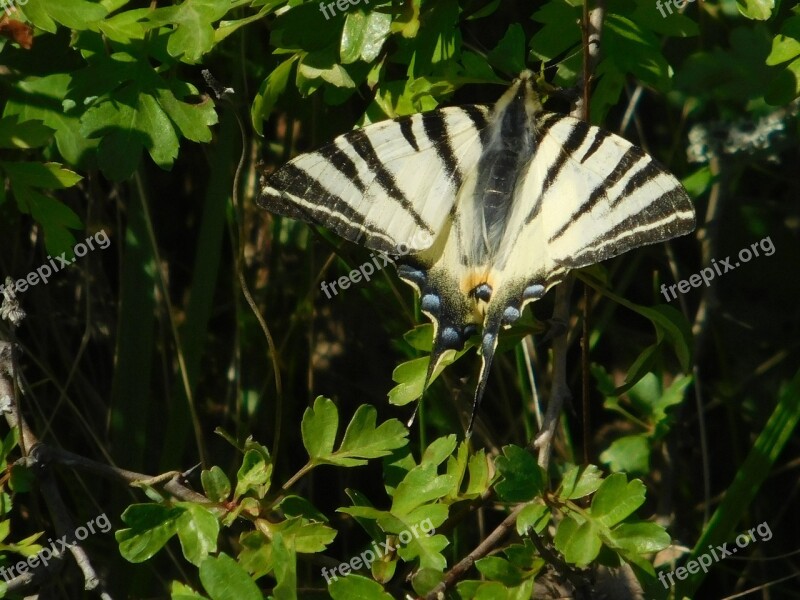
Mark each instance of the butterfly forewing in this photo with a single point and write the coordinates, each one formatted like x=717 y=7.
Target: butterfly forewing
x=385 y=185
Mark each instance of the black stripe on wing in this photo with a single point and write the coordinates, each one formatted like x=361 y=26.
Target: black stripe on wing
x=344 y=219
x=361 y=143
x=435 y=127
x=668 y=216
x=627 y=161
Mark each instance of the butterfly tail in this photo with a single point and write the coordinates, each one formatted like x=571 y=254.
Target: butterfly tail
x=491 y=331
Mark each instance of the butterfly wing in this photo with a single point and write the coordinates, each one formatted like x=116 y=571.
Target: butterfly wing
x=387 y=186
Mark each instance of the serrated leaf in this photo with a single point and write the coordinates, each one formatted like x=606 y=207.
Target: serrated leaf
x=363 y=440
x=254 y=475
x=305 y=536
x=579 y=482
x=522 y=477
x=559 y=32
x=499 y=569
x=191 y=23
x=428 y=549
x=319 y=426
x=630 y=454
x=616 y=499
x=579 y=543
x=180 y=591
x=150 y=527
x=420 y=485
x=224 y=579
x=535 y=515
x=439 y=450
x=478 y=470
x=509 y=54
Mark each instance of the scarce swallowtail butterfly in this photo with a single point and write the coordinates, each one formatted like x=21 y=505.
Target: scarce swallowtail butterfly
x=509 y=199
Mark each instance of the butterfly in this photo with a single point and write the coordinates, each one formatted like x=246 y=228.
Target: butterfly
x=506 y=200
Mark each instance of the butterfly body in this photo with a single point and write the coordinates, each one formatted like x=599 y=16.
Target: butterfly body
x=505 y=200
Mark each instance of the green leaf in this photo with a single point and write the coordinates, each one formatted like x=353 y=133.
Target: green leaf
x=319 y=427
x=522 y=477
x=322 y=66
x=74 y=14
x=192 y=21
x=759 y=10
x=364 y=35
x=786 y=85
x=18 y=134
x=535 y=515
x=699 y=182
x=632 y=49
x=150 y=527
x=639 y=538
x=179 y=591
x=49 y=108
x=616 y=499
x=271 y=89
x=786 y=46
x=559 y=32
x=579 y=543
x=306 y=537
x=285 y=568
x=499 y=569
x=21 y=478
x=254 y=475
x=439 y=450
x=630 y=454
x=509 y=54
x=410 y=376
x=198 y=529
x=224 y=579
x=426 y=548
x=356 y=587
x=579 y=482
x=420 y=485
x=478 y=470
x=363 y=440
x=297 y=506
x=216 y=485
